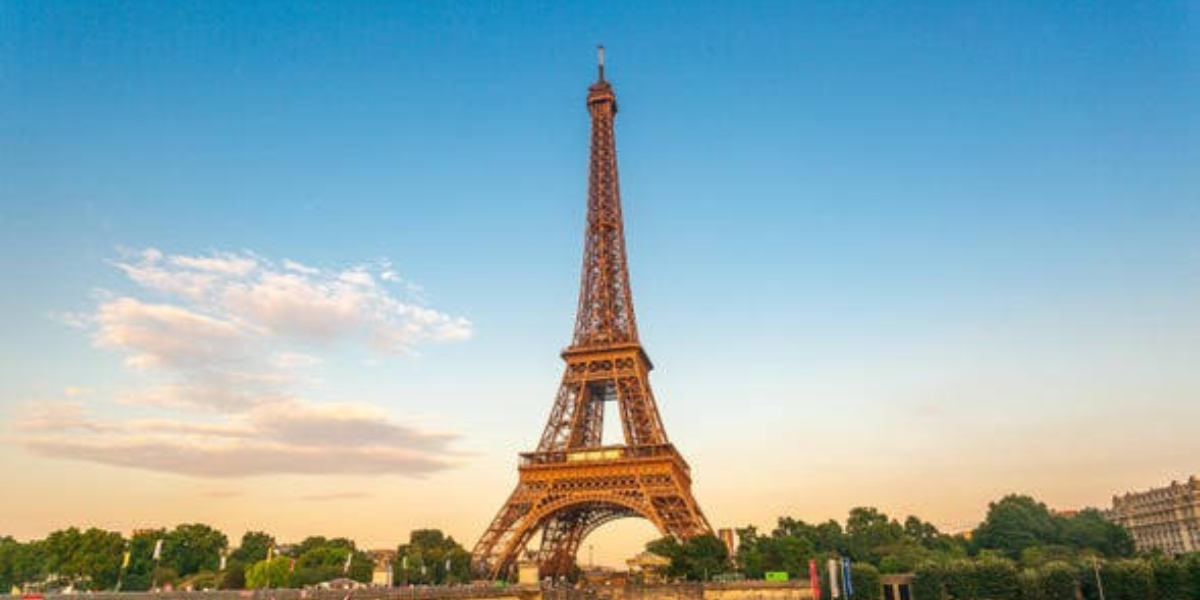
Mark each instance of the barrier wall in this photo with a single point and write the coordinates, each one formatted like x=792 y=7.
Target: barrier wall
x=741 y=590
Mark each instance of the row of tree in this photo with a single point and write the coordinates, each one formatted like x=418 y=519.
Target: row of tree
x=95 y=559
x=197 y=556
x=1017 y=528
x=995 y=578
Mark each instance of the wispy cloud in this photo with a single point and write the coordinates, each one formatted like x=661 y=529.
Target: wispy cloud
x=222 y=328
x=214 y=338
x=280 y=437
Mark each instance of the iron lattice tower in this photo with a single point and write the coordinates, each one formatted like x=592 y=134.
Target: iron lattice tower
x=573 y=484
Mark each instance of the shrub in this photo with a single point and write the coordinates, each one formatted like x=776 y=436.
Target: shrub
x=1087 y=579
x=204 y=580
x=960 y=580
x=1030 y=584
x=866 y=582
x=929 y=581
x=996 y=579
x=1059 y=581
x=1171 y=580
x=1191 y=566
x=165 y=576
x=1128 y=580
x=234 y=576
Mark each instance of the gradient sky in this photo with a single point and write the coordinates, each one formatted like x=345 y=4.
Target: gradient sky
x=307 y=268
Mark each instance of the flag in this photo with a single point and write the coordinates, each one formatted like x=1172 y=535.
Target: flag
x=834 y=592
x=125 y=560
x=346 y=567
x=270 y=551
x=847 y=579
x=404 y=563
x=814 y=579
x=222 y=567
x=158 y=549
x=447 y=565
x=291 y=565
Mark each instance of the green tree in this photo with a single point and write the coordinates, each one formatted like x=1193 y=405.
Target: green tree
x=960 y=580
x=86 y=560
x=10 y=557
x=140 y=573
x=423 y=560
x=98 y=558
x=59 y=558
x=904 y=557
x=929 y=581
x=1130 y=579
x=272 y=573
x=921 y=532
x=1088 y=529
x=695 y=559
x=996 y=579
x=1171 y=580
x=253 y=547
x=193 y=547
x=329 y=561
x=1015 y=523
x=1058 y=581
x=234 y=576
x=1191 y=565
x=866 y=582
x=869 y=532
x=784 y=550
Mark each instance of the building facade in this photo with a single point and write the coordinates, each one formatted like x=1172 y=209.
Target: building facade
x=1166 y=518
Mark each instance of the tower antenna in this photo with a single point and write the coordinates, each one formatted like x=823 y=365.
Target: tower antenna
x=600 y=60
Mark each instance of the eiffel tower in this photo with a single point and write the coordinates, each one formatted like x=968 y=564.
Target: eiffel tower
x=572 y=484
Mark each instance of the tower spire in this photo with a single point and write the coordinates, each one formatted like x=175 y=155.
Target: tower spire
x=605 y=313
x=600 y=60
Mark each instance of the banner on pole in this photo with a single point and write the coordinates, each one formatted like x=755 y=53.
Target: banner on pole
x=847 y=578
x=834 y=591
x=158 y=549
x=814 y=578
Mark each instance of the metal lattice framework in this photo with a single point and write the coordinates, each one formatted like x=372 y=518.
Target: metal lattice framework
x=573 y=484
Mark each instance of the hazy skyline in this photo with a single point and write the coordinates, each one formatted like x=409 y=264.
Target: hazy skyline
x=307 y=269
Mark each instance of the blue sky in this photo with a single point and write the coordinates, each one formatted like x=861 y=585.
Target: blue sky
x=845 y=220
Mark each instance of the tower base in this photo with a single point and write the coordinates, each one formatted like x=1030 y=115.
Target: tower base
x=568 y=494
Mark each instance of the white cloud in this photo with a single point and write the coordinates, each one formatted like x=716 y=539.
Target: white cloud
x=292 y=265
x=218 y=340
x=295 y=360
x=167 y=335
x=56 y=415
x=223 y=327
x=299 y=301
x=224 y=264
